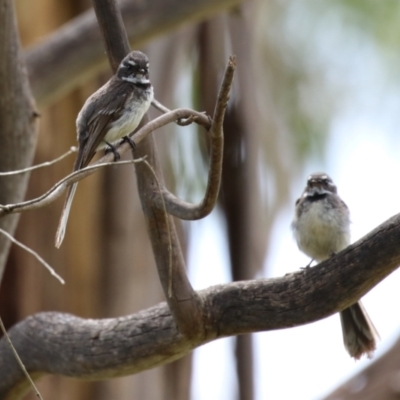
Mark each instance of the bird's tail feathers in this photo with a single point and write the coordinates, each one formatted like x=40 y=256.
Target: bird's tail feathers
x=62 y=225
x=359 y=333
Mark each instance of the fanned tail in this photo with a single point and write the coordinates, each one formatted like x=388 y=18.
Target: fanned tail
x=359 y=333
x=62 y=225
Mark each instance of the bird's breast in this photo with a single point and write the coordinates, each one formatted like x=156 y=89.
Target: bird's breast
x=132 y=114
x=321 y=229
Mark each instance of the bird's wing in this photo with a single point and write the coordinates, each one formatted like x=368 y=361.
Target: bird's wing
x=98 y=123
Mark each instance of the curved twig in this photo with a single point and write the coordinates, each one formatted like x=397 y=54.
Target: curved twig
x=171 y=116
x=181 y=122
x=184 y=210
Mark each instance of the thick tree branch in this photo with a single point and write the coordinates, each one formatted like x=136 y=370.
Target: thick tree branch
x=98 y=349
x=112 y=30
x=183 y=301
x=63 y=61
x=17 y=121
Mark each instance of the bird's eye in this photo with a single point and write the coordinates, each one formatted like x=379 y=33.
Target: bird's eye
x=130 y=65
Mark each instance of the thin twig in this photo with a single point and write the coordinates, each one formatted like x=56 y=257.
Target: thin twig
x=57 y=190
x=21 y=364
x=181 y=121
x=73 y=149
x=36 y=255
x=168 y=228
x=170 y=116
x=186 y=121
x=160 y=107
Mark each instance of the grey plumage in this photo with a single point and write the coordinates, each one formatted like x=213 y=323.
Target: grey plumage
x=109 y=114
x=321 y=227
x=320 y=230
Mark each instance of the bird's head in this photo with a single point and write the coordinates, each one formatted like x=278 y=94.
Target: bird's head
x=134 y=68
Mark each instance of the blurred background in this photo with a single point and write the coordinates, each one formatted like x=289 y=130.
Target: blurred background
x=316 y=89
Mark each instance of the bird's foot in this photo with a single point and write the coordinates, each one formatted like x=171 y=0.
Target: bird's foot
x=112 y=148
x=130 y=141
x=308 y=266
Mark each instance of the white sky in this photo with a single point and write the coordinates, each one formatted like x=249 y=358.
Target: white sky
x=306 y=363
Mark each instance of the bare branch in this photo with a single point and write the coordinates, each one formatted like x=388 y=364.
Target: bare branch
x=18 y=120
x=170 y=277
x=182 y=209
x=73 y=149
x=170 y=116
x=160 y=107
x=184 y=302
x=36 y=255
x=112 y=29
x=150 y=338
x=56 y=191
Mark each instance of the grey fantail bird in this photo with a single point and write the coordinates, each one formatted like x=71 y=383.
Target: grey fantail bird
x=321 y=227
x=108 y=115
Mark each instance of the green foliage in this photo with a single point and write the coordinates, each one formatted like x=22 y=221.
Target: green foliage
x=379 y=18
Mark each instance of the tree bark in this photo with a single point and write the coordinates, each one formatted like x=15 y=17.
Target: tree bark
x=98 y=349
x=17 y=121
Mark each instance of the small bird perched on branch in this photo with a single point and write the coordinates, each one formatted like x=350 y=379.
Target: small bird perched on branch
x=108 y=115
x=321 y=228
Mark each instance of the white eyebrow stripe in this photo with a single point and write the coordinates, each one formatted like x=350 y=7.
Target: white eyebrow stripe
x=132 y=62
x=142 y=81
